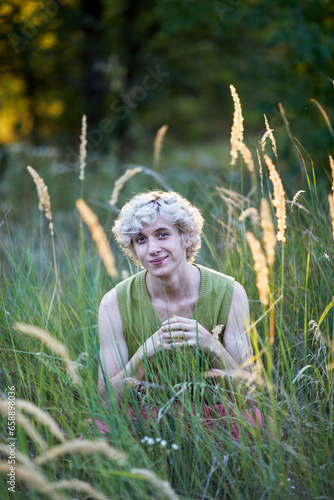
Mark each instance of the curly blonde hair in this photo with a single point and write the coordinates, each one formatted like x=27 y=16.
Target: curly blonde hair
x=144 y=209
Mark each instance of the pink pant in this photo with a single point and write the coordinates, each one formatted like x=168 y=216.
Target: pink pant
x=211 y=416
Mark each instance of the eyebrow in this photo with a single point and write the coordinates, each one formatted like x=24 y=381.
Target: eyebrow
x=157 y=230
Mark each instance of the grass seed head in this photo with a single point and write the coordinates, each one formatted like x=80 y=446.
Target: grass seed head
x=130 y=172
x=99 y=236
x=34 y=478
x=23 y=422
x=165 y=490
x=158 y=142
x=83 y=148
x=237 y=132
x=54 y=345
x=43 y=196
x=331 y=162
x=267 y=225
x=279 y=199
x=78 y=485
x=252 y=213
x=260 y=266
x=83 y=446
x=42 y=417
x=247 y=156
x=260 y=169
x=268 y=133
x=295 y=198
x=331 y=209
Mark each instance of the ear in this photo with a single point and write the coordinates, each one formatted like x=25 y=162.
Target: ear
x=187 y=239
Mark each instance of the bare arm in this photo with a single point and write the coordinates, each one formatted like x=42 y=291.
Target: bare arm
x=114 y=355
x=115 y=364
x=236 y=343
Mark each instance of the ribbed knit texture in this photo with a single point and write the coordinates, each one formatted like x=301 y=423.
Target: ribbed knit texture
x=140 y=319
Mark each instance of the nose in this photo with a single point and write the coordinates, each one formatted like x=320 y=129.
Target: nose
x=153 y=247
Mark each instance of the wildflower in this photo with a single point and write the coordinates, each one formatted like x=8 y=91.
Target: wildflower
x=150 y=441
x=163 y=443
x=174 y=446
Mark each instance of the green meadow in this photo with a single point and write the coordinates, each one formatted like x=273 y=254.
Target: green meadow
x=55 y=284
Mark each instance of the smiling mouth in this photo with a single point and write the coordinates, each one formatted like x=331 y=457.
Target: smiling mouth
x=156 y=262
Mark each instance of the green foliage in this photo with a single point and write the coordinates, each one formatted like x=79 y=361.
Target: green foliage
x=296 y=390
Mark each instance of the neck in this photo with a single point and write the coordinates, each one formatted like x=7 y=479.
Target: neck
x=181 y=284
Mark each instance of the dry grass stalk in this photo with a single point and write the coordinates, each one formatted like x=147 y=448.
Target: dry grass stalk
x=331 y=162
x=34 y=478
x=331 y=195
x=83 y=148
x=158 y=142
x=251 y=378
x=43 y=196
x=295 y=198
x=23 y=422
x=164 y=488
x=260 y=169
x=130 y=172
x=99 y=236
x=285 y=120
x=260 y=266
x=237 y=132
x=268 y=133
x=76 y=484
x=324 y=114
x=279 y=198
x=83 y=446
x=247 y=156
x=237 y=144
x=42 y=417
x=331 y=209
x=54 y=345
x=267 y=225
x=19 y=456
x=252 y=213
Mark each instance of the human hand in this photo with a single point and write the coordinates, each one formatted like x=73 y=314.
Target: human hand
x=155 y=344
x=179 y=331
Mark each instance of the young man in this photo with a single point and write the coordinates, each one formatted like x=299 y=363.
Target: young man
x=168 y=311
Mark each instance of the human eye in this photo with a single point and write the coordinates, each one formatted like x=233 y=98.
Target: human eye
x=140 y=239
x=163 y=235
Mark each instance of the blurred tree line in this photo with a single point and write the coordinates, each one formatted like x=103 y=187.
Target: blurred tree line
x=132 y=66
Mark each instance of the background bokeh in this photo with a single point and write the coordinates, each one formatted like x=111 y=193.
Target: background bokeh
x=133 y=66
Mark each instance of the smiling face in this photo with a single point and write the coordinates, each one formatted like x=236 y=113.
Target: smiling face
x=161 y=247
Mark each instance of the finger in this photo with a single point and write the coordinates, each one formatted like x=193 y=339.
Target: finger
x=176 y=326
x=178 y=334
x=175 y=319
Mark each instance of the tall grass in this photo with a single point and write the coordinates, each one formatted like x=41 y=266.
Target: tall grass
x=175 y=455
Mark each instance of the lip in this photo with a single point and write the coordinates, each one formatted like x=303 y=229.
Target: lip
x=157 y=262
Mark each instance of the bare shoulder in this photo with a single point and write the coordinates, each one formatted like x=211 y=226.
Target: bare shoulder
x=239 y=298
x=109 y=315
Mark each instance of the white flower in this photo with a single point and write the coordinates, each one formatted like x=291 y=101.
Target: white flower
x=174 y=446
x=150 y=441
x=163 y=443
x=158 y=440
x=144 y=439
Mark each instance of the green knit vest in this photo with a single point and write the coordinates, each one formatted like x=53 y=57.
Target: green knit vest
x=140 y=320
